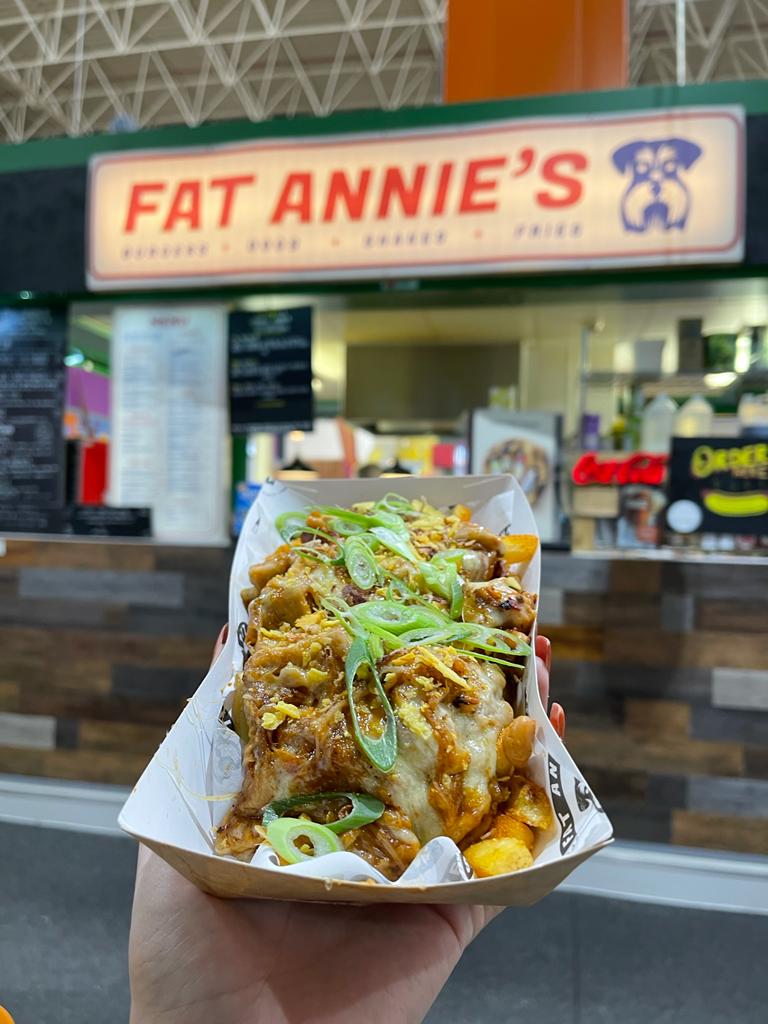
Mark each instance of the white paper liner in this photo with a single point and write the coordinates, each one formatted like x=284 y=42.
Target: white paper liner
x=195 y=775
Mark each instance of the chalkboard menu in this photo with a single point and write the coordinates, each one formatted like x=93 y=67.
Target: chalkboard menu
x=32 y=349
x=270 y=370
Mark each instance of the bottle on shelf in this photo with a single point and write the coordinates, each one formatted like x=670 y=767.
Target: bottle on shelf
x=658 y=424
x=694 y=418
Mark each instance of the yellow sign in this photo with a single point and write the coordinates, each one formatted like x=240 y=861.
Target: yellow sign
x=634 y=189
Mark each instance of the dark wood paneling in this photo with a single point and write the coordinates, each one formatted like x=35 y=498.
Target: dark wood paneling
x=635 y=647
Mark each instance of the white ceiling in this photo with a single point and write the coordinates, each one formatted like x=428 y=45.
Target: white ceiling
x=71 y=67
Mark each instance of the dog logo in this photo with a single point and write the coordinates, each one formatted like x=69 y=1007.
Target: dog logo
x=585 y=797
x=657 y=195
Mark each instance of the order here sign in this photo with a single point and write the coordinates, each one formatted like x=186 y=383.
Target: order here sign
x=640 y=189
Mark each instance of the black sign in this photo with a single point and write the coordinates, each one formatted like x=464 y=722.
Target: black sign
x=718 y=485
x=270 y=370
x=102 y=521
x=32 y=377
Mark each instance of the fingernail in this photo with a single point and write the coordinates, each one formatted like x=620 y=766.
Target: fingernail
x=547 y=655
x=557 y=718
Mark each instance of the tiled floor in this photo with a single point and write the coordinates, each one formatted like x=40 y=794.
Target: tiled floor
x=65 y=907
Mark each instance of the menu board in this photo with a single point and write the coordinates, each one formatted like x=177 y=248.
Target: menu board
x=270 y=370
x=32 y=379
x=169 y=435
x=718 y=485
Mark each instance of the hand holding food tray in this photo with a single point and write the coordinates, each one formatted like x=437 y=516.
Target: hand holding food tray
x=372 y=731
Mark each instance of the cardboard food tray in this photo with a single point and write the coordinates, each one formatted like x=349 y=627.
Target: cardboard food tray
x=195 y=774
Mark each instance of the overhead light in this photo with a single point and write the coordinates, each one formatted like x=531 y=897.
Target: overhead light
x=74 y=358
x=719 y=380
x=743 y=357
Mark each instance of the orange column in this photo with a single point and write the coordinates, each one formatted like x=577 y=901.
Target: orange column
x=501 y=48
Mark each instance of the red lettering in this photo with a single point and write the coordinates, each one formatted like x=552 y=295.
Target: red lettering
x=230 y=186
x=473 y=184
x=444 y=180
x=301 y=204
x=137 y=204
x=550 y=172
x=637 y=469
x=340 y=190
x=409 y=196
x=185 y=206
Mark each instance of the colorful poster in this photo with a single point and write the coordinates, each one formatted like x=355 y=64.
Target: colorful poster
x=527 y=446
x=718 y=485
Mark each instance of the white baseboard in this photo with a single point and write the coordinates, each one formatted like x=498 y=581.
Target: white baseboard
x=644 y=872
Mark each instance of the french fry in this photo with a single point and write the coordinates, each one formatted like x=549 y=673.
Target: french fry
x=507 y=827
x=517 y=741
x=529 y=803
x=518 y=548
x=498 y=857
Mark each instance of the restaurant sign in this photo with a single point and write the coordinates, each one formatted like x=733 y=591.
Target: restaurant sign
x=638 y=189
x=718 y=485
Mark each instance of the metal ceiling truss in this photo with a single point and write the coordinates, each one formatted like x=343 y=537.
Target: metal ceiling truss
x=724 y=39
x=70 y=67
x=77 y=66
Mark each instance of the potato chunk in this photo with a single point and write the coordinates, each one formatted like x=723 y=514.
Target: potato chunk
x=507 y=827
x=498 y=857
x=517 y=738
x=519 y=548
x=530 y=803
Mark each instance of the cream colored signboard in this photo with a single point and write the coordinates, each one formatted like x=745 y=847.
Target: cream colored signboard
x=640 y=189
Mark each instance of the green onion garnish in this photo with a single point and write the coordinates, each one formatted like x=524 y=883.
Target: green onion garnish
x=365 y=809
x=395 y=542
x=361 y=564
x=395 y=503
x=381 y=751
x=283 y=833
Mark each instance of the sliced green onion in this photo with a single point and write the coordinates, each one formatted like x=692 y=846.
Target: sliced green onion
x=289 y=523
x=365 y=809
x=282 y=834
x=379 y=518
x=395 y=542
x=396 y=503
x=346 y=529
x=397 y=618
x=381 y=751
x=457 y=597
x=361 y=564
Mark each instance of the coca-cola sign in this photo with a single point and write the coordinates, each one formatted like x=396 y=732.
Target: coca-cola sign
x=640 y=468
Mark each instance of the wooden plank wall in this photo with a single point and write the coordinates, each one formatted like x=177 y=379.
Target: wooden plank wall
x=662 y=669
x=101 y=645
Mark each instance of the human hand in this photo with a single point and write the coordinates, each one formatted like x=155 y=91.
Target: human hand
x=198 y=959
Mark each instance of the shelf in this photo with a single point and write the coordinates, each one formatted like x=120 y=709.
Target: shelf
x=671 y=381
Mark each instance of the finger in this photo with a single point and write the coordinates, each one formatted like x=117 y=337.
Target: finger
x=557 y=718
x=544 y=651
x=542 y=678
x=221 y=639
